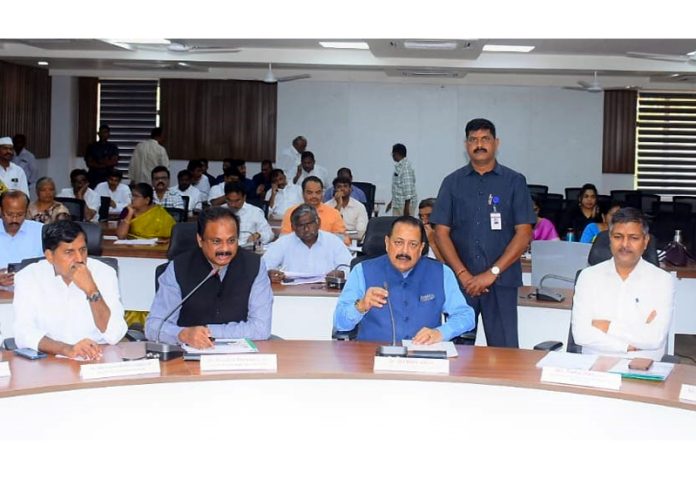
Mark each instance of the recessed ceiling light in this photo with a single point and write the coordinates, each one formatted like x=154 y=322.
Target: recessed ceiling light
x=42 y=63
x=348 y=45
x=429 y=45
x=508 y=48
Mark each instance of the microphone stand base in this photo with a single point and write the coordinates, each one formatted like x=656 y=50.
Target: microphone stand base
x=398 y=351
x=164 y=352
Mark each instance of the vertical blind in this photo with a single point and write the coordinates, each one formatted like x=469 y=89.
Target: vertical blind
x=130 y=109
x=666 y=143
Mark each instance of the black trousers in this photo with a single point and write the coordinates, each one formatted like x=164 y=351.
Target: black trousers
x=498 y=310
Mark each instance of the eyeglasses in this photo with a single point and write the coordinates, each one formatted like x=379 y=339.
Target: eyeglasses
x=305 y=225
x=218 y=242
x=472 y=140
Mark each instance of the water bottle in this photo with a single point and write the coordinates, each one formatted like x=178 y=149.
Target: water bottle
x=677 y=236
x=570 y=235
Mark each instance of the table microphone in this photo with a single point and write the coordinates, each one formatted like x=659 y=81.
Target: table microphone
x=164 y=351
x=392 y=350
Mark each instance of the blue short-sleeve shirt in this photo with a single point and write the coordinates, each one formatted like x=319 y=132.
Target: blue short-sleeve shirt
x=465 y=202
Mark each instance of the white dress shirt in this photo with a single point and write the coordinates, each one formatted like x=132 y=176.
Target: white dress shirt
x=26 y=243
x=122 y=195
x=217 y=191
x=27 y=161
x=290 y=253
x=45 y=306
x=354 y=216
x=92 y=200
x=147 y=155
x=194 y=197
x=14 y=178
x=600 y=293
x=289 y=196
x=252 y=220
x=318 y=171
x=288 y=160
x=203 y=187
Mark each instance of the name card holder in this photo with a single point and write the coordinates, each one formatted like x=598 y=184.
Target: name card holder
x=239 y=362
x=688 y=392
x=411 y=365
x=126 y=368
x=579 y=377
x=5 y=369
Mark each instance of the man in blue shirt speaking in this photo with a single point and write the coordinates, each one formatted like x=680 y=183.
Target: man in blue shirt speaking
x=419 y=289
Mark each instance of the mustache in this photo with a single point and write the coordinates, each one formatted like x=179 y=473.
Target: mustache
x=222 y=254
x=480 y=149
x=403 y=256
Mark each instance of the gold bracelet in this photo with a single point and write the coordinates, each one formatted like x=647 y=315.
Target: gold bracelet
x=460 y=272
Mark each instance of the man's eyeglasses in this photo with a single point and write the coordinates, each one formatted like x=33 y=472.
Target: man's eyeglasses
x=472 y=140
x=218 y=242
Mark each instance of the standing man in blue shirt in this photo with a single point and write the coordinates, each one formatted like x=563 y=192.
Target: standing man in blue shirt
x=484 y=221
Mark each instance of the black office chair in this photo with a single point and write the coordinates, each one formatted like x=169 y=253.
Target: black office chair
x=538 y=190
x=183 y=239
x=620 y=196
x=572 y=193
x=601 y=251
x=179 y=214
x=369 y=189
x=75 y=206
x=104 y=205
x=94 y=235
x=186 y=200
x=373 y=243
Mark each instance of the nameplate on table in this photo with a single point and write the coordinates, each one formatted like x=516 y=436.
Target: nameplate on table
x=578 y=377
x=239 y=362
x=125 y=368
x=687 y=393
x=411 y=365
x=5 y=370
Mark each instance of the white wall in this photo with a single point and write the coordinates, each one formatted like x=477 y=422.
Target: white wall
x=63 y=132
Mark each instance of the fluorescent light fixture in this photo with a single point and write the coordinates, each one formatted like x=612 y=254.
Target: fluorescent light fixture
x=691 y=54
x=182 y=64
x=429 y=45
x=508 y=48
x=42 y=63
x=347 y=45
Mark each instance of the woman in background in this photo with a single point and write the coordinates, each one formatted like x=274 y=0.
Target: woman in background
x=46 y=209
x=143 y=219
x=585 y=212
x=593 y=229
x=544 y=229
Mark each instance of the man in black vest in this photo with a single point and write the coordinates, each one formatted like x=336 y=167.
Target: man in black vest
x=235 y=302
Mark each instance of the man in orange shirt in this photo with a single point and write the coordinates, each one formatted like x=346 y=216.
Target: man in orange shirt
x=312 y=193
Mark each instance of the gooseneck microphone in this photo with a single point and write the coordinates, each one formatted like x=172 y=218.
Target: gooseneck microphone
x=392 y=350
x=164 y=351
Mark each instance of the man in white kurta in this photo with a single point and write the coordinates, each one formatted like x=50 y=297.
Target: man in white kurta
x=119 y=193
x=67 y=304
x=12 y=175
x=624 y=306
x=253 y=226
x=289 y=158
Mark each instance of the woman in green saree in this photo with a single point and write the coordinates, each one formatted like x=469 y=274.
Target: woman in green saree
x=143 y=219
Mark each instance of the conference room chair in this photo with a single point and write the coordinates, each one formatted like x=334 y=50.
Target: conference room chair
x=683 y=201
x=538 y=190
x=646 y=202
x=183 y=239
x=369 y=189
x=179 y=214
x=620 y=195
x=104 y=205
x=373 y=243
x=186 y=200
x=94 y=238
x=572 y=193
x=75 y=206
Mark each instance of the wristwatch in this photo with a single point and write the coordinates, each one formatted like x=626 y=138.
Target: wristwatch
x=495 y=270
x=94 y=297
x=357 y=306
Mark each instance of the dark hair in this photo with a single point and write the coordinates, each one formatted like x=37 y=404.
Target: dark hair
x=307 y=154
x=276 y=173
x=629 y=215
x=115 y=172
x=303 y=209
x=231 y=171
x=158 y=169
x=344 y=180
x=104 y=126
x=213 y=214
x=586 y=187
x=155 y=132
x=14 y=195
x=235 y=187
x=400 y=149
x=237 y=163
x=410 y=220
x=344 y=171
x=193 y=164
x=427 y=203
x=63 y=231
x=315 y=179
x=479 y=124
x=183 y=173
x=77 y=172
x=267 y=162
x=605 y=206
x=19 y=137
x=146 y=190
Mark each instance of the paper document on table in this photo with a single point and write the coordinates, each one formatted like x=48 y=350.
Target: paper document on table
x=447 y=346
x=110 y=237
x=225 y=346
x=657 y=372
x=561 y=359
x=138 y=242
x=302 y=278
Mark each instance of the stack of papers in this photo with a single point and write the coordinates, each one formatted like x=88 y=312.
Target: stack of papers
x=138 y=242
x=561 y=359
x=225 y=346
x=656 y=372
x=292 y=278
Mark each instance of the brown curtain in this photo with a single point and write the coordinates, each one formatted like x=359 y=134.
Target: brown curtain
x=217 y=119
x=87 y=97
x=619 y=142
x=25 y=106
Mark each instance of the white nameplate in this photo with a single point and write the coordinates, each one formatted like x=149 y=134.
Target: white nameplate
x=411 y=365
x=239 y=362
x=688 y=392
x=125 y=368
x=5 y=370
x=578 y=377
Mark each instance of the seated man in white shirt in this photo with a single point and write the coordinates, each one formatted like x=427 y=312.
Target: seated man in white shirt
x=307 y=250
x=216 y=197
x=308 y=167
x=67 y=304
x=198 y=179
x=253 y=226
x=119 y=194
x=282 y=195
x=623 y=306
x=80 y=189
x=352 y=211
x=185 y=188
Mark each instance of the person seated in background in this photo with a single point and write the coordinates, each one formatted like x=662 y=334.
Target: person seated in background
x=351 y=210
x=253 y=226
x=46 y=209
x=185 y=188
x=226 y=163
x=355 y=192
x=142 y=218
x=544 y=230
x=216 y=197
x=623 y=306
x=425 y=209
x=20 y=238
x=118 y=193
x=12 y=176
x=585 y=212
x=312 y=192
x=234 y=303
x=308 y=167
x=80 y=189
x=164 y=196
x=262 y=181
x=67 y=303
x=419 y=290
x=307 y=250
x=606 y=211
x=205 y=164
x=198 y=179
x=282 y=195
x=247 y=183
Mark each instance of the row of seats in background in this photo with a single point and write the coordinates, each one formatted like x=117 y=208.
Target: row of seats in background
x=664 y=217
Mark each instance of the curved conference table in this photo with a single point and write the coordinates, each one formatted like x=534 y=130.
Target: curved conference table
x=325 y=413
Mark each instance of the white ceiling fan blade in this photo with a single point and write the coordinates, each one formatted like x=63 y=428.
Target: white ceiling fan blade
x=294 y=77
x=659 y=57
x=585 y=85
x=576 y=88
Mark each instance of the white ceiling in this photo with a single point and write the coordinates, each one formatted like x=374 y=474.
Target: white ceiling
x=557 y=62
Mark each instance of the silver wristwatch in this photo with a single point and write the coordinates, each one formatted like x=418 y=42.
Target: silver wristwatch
x=93 y=298
x=495 y=270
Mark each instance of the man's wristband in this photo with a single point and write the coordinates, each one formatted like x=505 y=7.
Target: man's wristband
x=460 y=272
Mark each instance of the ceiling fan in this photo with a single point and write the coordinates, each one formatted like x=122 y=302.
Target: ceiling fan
x=593 y=87
x=159 y=65
x=271 y=78
x=687 y=58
